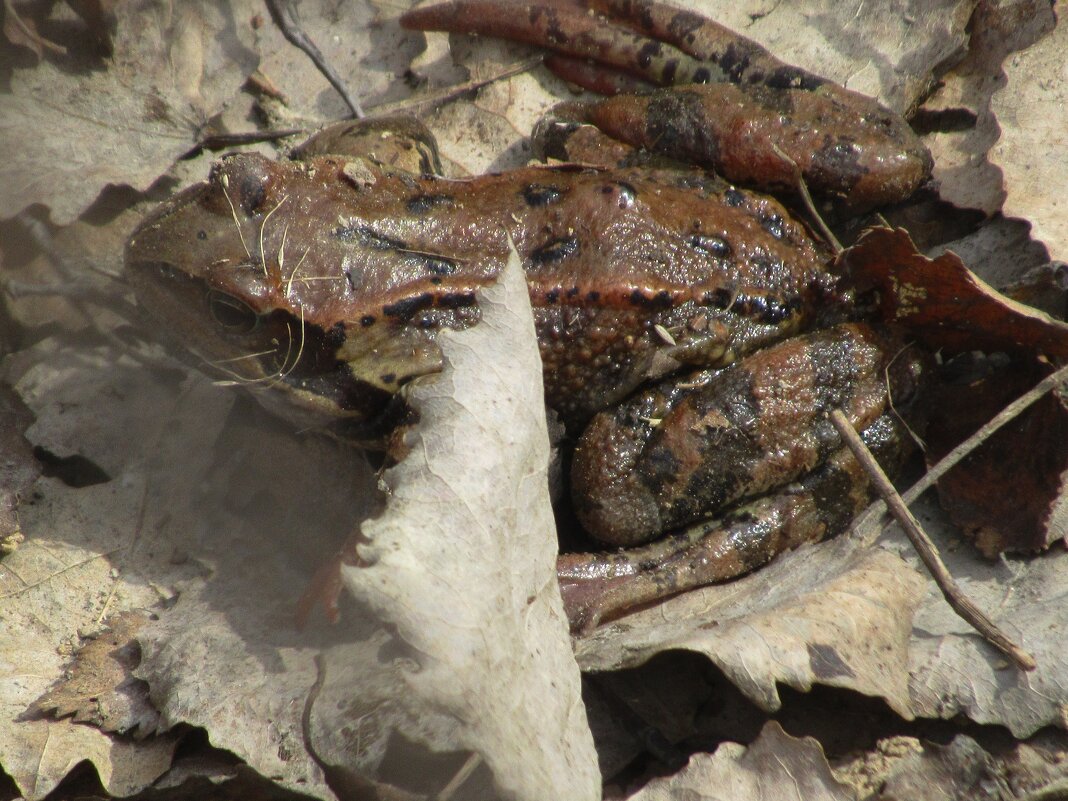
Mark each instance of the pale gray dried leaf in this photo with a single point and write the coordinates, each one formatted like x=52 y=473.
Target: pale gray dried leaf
x=81 y=558
x=965 y=125
x=18 y=467
x=774 y=767
x=832 y=614
x=954 y=671
x=498 y=659
x=367 y=53
x=67 y=130
x=1033 y=149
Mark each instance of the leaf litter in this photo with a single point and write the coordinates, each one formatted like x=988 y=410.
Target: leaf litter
x=223 y=584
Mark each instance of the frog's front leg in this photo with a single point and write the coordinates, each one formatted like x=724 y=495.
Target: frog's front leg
x=760 y=121
x=640 y=470
x=600 y=586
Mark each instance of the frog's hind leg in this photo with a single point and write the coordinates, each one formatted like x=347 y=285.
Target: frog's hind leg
x=599 y=587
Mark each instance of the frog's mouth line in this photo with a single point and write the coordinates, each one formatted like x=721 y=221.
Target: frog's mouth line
x=291 y=364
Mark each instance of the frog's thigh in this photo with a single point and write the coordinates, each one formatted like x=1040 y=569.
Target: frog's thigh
x=756 y=425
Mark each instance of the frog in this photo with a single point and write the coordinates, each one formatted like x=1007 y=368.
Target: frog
x=693 y=336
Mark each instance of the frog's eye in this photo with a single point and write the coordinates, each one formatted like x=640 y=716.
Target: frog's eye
x=232 y=313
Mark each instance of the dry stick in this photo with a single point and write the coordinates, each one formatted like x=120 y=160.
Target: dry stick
x=806 y=198
x=285 y=18
x=451 y=93
x=961 y=604
x=462 y=775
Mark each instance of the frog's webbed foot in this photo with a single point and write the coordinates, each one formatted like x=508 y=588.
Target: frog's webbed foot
x=744 y=113
x=604 y=586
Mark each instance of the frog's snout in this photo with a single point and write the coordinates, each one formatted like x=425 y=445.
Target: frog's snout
x=241 y=185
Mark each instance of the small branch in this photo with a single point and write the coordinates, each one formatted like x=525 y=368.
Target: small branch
x=451 y=93
x=286 y=20
x=954 y=596
x=806 y=199
x=457 y=781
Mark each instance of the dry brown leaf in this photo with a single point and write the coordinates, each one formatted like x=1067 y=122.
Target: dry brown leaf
x=367 y=54
x=1032 y=152
x=953 y=671
x=944 y=305
x=22 y=31
x=123 y=121
x=78 y=561
x=1010 y=494
x=963 y=770
x=99 y=688
x=774 y=767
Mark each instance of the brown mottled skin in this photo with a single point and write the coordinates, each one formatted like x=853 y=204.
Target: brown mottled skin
x=824 y=502
x=375 y=262
x=321 y=284
x=735 y=109
x=674 y=457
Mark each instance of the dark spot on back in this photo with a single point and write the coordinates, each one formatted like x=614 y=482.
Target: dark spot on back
x=720 y=298
x=555 y=251
x=659 y=300
x=837 y=163
x=541 y=194
x=732 y=197
x=793 y=78
x=675 y=127
x=702 y=75
x=365 y=235
x=202 y=235
x=773 y=224
x=388 y=378
x=367 y=320
x=647 y=53
x=456 y=300
x=421 y=204
x=713 y=245
x=406 y=308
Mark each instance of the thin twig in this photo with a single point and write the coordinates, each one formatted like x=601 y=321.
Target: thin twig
x=954 y=596
x=457 y=781
x=286 y=19
x=806 y=199
x=451 y=93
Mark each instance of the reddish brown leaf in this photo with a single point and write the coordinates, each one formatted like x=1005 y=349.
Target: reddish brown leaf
x=944 y=304
x=1005 y=494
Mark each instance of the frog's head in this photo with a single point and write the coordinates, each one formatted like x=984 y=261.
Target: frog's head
x=228 y=271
